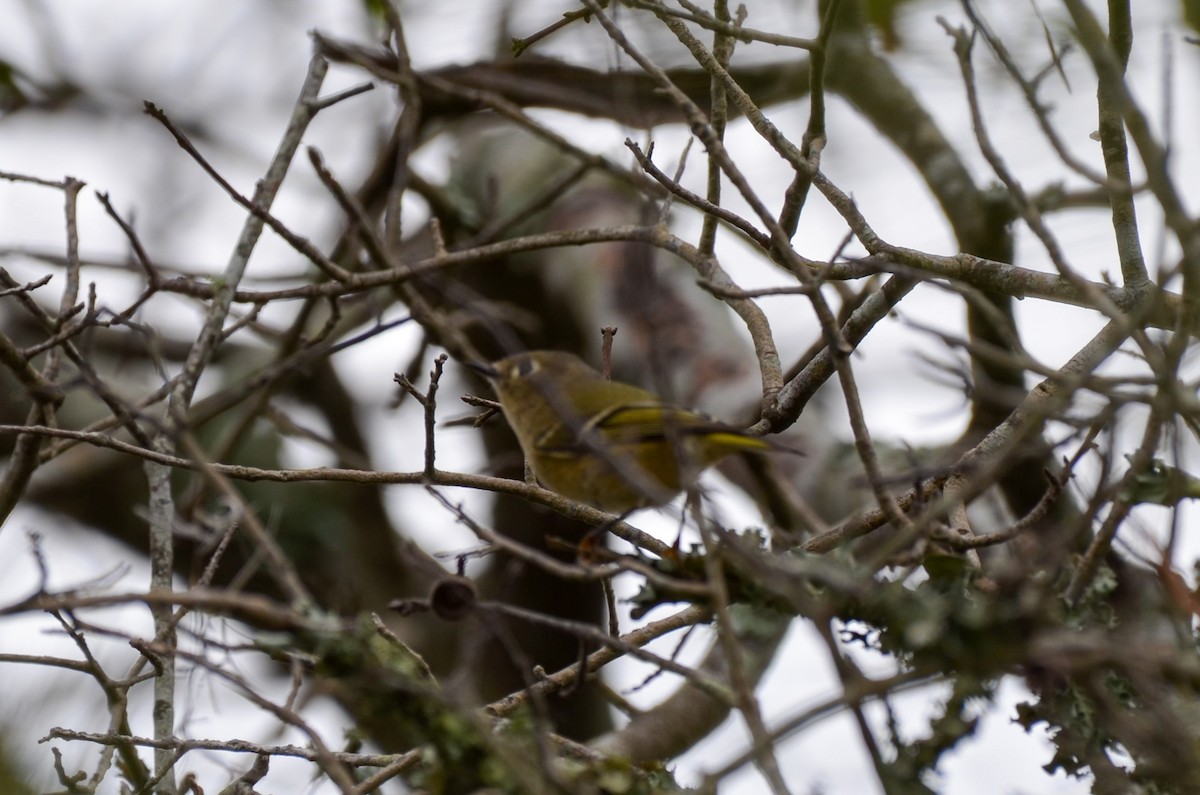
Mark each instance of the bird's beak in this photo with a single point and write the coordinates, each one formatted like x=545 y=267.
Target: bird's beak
x=484 y=369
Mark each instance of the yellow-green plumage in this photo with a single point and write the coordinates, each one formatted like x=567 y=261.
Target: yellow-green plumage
x=612 y=445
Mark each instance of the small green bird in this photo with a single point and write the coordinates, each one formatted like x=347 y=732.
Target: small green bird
x=612 y=445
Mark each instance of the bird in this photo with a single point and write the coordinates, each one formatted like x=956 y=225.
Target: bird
x=612 y=445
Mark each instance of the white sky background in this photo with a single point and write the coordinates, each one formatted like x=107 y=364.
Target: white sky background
x=234 y=69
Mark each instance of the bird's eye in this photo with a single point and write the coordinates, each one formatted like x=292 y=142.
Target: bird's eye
x=526 y=367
